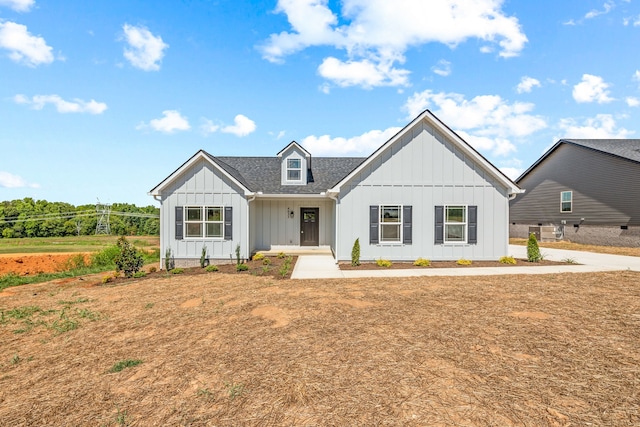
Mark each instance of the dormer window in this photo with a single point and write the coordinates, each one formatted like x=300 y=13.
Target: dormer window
x=295 y=166
x=294 y=169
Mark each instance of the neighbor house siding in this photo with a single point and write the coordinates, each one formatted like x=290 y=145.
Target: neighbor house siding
x=202 y=185
x=606 y=189
x=424 y=169
x=273 y=226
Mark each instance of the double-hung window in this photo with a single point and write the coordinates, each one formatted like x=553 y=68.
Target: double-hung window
x=294 y=169
x=205 y=221
x=455 y=224
x=566 y=201
x=390 y=223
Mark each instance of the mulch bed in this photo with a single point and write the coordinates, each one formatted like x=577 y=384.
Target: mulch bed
x=449 y=264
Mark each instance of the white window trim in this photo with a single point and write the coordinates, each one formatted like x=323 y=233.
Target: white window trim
x=399 y=223
x=570 y=201
x=299 y=169
x=203 y=222
x=465 y=224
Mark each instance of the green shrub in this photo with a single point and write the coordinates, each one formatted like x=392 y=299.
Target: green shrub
x=355 y=253
x=258 y=256
x=75 y=262
x=139 y=274
x=176 y=271
x=266 y=261
x=383 y=263
x=203 y=257
x=422 y=262
x=282 y=255
x=533 y=251
x=242 y=267
x=153 y=269
x=106 y=257
x=463 y=261
x=507 y=260
x=211 y=268
x=129 y=260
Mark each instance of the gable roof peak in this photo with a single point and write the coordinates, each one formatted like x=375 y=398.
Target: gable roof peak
x=296 y=145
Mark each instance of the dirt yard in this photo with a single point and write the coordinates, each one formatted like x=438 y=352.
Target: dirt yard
x=230 y=350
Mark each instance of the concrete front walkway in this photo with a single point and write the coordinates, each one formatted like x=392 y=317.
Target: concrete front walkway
x=324 y=266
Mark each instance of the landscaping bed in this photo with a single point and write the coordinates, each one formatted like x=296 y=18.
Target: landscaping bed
x=449 y=264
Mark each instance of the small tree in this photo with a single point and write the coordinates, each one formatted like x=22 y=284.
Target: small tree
x=355 y=253
x=169 y=263
x=129 y=260
x=238 y=254
x=533 y=251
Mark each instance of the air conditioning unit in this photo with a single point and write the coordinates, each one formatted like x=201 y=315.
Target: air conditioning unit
x=545 y=233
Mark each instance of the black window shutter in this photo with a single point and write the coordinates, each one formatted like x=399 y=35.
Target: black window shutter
x=439 y=229
x=406 y=225
x=228 y=223
x=373 y=225
x=179 y=223
x=473 y=224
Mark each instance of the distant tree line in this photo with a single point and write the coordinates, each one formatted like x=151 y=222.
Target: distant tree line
x=31 y=218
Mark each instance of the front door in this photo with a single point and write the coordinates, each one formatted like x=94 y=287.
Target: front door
x=309 y=227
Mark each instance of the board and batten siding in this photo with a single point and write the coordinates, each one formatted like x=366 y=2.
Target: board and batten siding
x=273 y=227
x=202 y=185
x=424 y=169
x=606 y=189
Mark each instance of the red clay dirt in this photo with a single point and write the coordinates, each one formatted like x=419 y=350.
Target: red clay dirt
x=32 y=264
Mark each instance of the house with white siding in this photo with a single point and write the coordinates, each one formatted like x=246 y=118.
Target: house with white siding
x=424 y=193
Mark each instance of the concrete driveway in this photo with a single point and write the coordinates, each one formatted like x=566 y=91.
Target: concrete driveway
x=324 y=266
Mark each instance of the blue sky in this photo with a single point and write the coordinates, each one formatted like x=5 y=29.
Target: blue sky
x=104 y=99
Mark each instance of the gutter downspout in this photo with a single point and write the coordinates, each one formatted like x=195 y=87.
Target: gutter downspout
x=156 y=198
x=251 y=197
x=337 y=213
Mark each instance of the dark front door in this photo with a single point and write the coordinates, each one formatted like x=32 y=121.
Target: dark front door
x=309 y=227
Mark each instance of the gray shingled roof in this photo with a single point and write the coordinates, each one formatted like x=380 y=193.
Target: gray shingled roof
x=627 y=148
x=263 y=173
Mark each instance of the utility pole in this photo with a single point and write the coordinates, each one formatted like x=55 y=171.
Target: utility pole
x=104 y=211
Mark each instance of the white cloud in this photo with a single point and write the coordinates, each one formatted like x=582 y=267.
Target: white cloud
x=511 y=172
x=23 y=47
x=632 y=101
x=242 y=126
x=362 y=145
x=486 y=122
x=362 y=73
x=592 y=89
x=606 y=9
x=600 y=126
x=8 y=180
x=443 y=68
x=171 y=122
x=18 y=5
x=527 y=84
x=144 y=51
x=375 y=34
x=38 y=102
x=636 y=76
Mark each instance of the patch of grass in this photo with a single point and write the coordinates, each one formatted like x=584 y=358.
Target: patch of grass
x=569 y=260
x=15 y=359
x=23 y=312
x=235 y=389
x=384 y=263
x=85 y=313
x=124 y=364
x=149 y=306
x=507 y=260
x=64 y=324
x=77 y=301
x=422 y=262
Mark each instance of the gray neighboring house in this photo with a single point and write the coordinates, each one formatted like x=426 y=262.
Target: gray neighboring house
x=587 y=190
x=424 y=193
